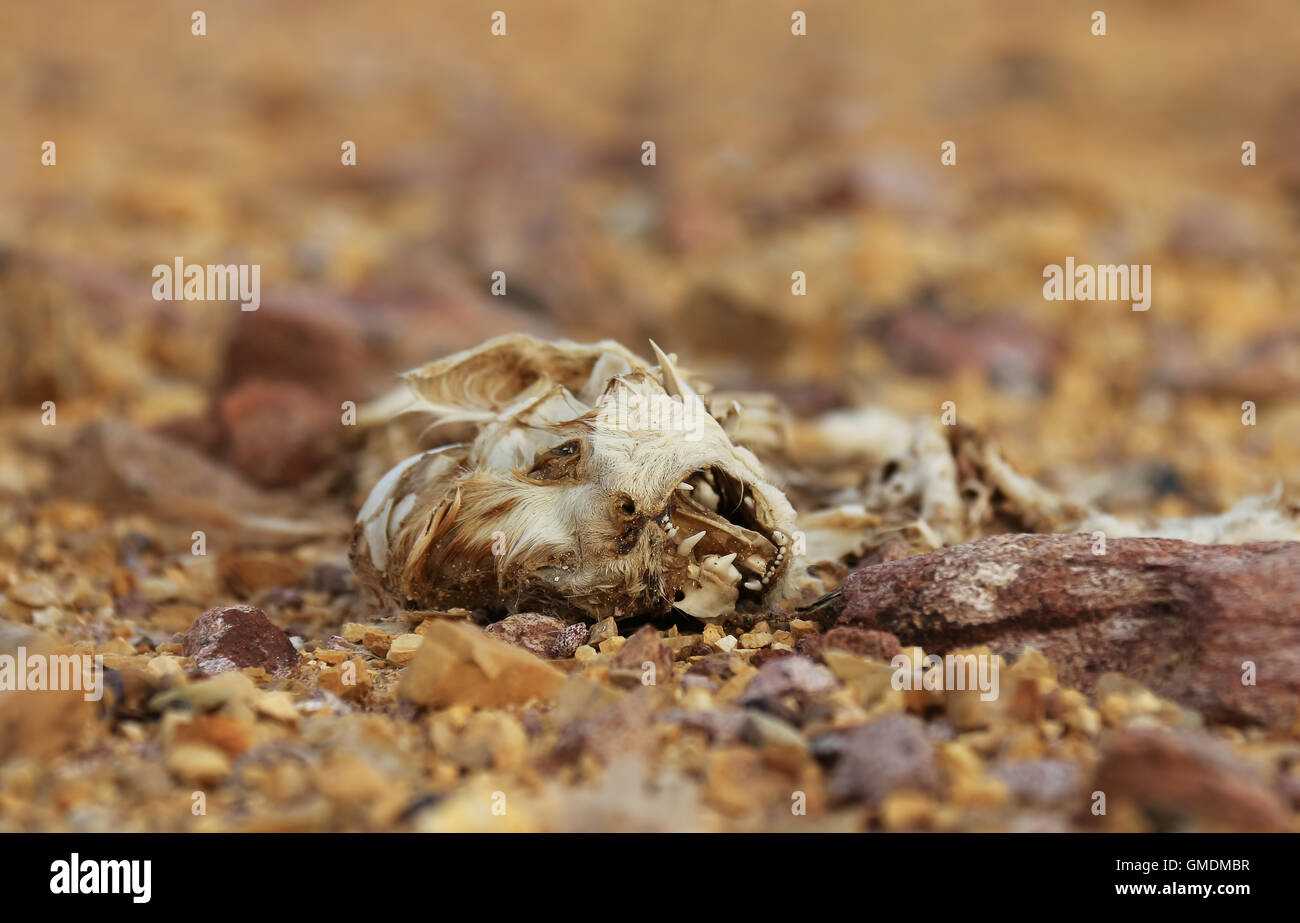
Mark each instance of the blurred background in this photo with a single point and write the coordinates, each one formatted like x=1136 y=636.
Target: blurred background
x=522 y=154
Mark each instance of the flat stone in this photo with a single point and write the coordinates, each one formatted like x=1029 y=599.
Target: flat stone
x=460 y=665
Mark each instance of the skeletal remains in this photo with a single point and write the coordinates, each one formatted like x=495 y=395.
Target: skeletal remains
x=593 y=483
x=587 y=482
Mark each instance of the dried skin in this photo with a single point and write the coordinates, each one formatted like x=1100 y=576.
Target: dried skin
x=930 y=486
x=592 y=483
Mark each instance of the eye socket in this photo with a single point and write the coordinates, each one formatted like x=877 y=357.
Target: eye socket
x=557 y=463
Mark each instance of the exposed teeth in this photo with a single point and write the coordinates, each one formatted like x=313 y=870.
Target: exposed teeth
x=668 y=525
x=707 y=497
x=712 y=582
x=673 y=383
x=686 y=546
x=720 y=567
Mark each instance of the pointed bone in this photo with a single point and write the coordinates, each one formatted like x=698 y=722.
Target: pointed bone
x=687 y=545
x=730 y=419
x=721 y=568
x=673 y=383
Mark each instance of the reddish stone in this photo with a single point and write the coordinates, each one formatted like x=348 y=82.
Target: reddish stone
x=876 y=645
x=544 y=635
x=279 y=433
x=783 y=686
x=767 y=655
x=232 y=637
x=1188 y=781
x=1009 y=350
x=351 y=348
x=721 y=665
x=1181 y=618
x=645 y=647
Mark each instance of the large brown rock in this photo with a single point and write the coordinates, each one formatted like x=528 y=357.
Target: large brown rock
x=278 y=433
x=1182 y=618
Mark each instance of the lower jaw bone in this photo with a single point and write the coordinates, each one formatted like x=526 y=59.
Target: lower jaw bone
x=715 y=592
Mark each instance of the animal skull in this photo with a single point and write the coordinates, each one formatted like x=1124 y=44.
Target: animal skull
x=591 y=484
